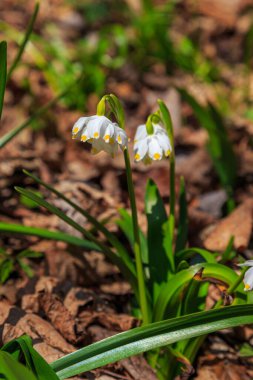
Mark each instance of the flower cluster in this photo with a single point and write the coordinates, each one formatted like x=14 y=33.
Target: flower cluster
x=154 y=146
x=104 y=135
x=101 y=133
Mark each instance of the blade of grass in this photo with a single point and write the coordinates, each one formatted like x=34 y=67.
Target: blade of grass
x=46 y=234
x=3 y=72
x=99 y=226
x=142 y=339
x=15 y=131
x=25 y=40
x=107 y=251
x=10 y=369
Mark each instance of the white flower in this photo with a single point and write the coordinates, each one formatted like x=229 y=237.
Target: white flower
x=151 y=147
x=248 y=277
x=101 y=133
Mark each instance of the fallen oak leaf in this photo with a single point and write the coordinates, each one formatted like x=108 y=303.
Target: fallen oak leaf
x=238 y=224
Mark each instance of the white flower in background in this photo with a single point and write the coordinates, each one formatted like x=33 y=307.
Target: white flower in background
x=153 y=146
x=248 y=277
x=101 y=133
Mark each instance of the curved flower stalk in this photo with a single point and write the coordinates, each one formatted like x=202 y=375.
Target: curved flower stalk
x=101 y=133
x=105 y=135
x=153 y=144
x=248 y=276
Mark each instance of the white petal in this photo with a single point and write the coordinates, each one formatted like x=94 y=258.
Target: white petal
x=85 y=135
x=96 y=127
x=248 y=263
x=141 y=133
x=154 y=149
x=78 y=126
x=248 y=279
x=140 y=149
x=99 y=145
x=159 y=129
x=121 y=137
x=109 y=133
x=164 y=142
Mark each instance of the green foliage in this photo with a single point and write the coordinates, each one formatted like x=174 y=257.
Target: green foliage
x=10 y=369
x=9 y=263
x=158 y=261
x=155 y=335
x=25 y=41
x=175 y=276
x=46 y=234
x=20 y=350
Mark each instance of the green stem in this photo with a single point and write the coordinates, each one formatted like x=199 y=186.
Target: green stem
x=137 y=245
x=172 y=200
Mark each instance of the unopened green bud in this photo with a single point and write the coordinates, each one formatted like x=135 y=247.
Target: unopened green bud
x=101 y=107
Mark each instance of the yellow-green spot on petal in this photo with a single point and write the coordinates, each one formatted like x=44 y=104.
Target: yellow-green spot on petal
x=246 y=287
x=107 y=138
x=83 y=138
x=119 y=139
x=96 y=135
x=167 y=153
x=157 y=156
x=75 y=130
x=137 y=156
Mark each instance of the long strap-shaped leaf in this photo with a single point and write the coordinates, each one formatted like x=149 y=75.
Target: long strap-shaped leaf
x=47 y=234
x=22 y=349
x=99 y=226
x=108 y=252
x=210 y=271
x=152 y=336
x=25 y=40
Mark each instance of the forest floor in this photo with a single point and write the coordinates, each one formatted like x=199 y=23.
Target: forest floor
x=69 y=303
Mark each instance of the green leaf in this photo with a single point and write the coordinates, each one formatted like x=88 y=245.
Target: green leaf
x=187 y=253
x=16 y=130
x=166 y=118
x=99 y=226
x=159 y=262
x=6 y=268
x=142 y=339
x=28 y=253
x=183 y=218
x=172 y=287
x=24 y=42
x=208 y=272
x=117 y=260
x=3 y=72
x=26 y=268
x=22 y=349
x=246 y=350
x=126 y=226
x=227 y=253
x=46 y=234
x=10 y=369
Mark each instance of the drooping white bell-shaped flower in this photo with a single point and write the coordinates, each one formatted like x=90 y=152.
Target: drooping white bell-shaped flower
x=248 y=277
x=154 y=146
x=101 y=133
